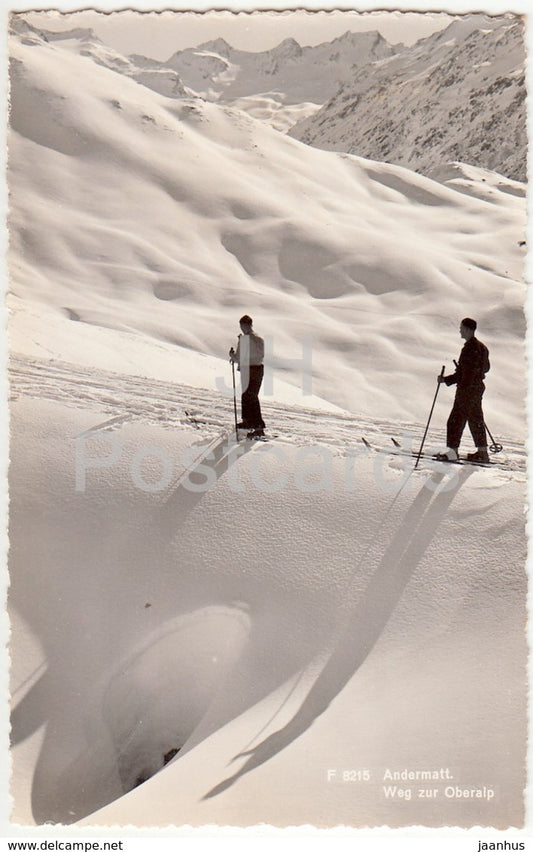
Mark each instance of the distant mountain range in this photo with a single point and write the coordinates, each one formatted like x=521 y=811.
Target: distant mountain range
x=313 y=74
x=458 y=95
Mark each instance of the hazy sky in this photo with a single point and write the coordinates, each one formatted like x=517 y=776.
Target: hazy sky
x=160 y=34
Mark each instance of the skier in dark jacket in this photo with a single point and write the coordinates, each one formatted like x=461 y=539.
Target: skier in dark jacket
x=473 y=365
x=249 y=357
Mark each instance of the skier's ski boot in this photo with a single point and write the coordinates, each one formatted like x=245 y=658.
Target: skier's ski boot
x=256 y=433
x=480 y=456
x=451 y=455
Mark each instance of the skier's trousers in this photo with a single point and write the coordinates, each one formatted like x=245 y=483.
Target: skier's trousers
x=467 y=409
x=251 y=408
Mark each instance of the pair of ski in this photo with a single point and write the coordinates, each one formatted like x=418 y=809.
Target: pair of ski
x=398 y=450
x=200 y=422
x=249 y=435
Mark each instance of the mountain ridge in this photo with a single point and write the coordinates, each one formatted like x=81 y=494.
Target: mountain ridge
x=461 y=100
x=301 y=73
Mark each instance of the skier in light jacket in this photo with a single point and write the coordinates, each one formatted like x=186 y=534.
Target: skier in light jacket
x=249 y=358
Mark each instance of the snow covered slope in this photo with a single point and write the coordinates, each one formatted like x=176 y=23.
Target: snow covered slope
x=272 y=109
x=457 y=95
x=85 y=42
x=164 y=220
x=363 y=625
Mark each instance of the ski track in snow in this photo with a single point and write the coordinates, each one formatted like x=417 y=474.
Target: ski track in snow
x=171 y=405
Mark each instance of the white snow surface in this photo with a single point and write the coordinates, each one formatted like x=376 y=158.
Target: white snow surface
x=166 y=219
x=270 y=107
x=314 y=605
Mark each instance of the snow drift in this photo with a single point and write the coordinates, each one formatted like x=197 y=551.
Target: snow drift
x=309 y=610
x=145 y=216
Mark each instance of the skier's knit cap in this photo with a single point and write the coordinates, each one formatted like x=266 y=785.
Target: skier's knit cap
x=246 y=320
x=469 y=323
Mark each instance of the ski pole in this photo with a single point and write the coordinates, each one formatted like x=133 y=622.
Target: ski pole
x=429 y=420
x=494 y=447
x=232 y=353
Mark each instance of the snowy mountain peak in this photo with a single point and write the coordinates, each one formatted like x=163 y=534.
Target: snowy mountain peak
x=351 y=37
x=287 y=49
x=20 y=26
x=78 y=34
x=217 y=45
x=316 y=71
x=463 y=26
